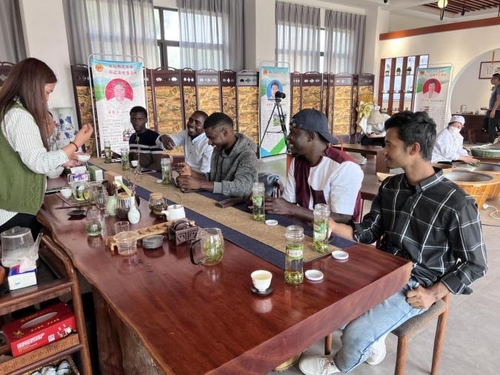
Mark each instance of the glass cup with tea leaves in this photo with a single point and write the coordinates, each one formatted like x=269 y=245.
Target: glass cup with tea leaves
x=208 y=248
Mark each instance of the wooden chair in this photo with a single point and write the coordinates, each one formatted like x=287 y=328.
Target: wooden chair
x=408 y=329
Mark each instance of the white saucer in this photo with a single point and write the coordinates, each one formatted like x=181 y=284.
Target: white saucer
x=340 y=255
x=314 y=275
x=272 y=223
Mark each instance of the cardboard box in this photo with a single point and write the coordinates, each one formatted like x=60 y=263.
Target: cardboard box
x=18 y=280
x=39 y=329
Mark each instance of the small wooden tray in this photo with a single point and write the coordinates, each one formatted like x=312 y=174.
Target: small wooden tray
x=161 y=228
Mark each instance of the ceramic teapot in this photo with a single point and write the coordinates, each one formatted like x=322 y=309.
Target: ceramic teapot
x=174 y=212
x=208 y=247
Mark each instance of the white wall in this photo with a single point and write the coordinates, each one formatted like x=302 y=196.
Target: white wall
x=400 y=22
x=469 y=89
x=45 y=37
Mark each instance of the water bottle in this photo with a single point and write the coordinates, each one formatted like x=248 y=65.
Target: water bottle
x=320 y=234
x=165 y=171
x=294 y=273
x=258 y=199
x=107 y=152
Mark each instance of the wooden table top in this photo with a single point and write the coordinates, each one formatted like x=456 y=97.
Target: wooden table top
x=198 y=320
x=355 y=147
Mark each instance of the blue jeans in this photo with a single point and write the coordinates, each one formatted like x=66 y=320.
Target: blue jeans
x=359 y=335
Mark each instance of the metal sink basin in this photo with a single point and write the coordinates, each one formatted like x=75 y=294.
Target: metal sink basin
x=467 y=176
x=486 y=167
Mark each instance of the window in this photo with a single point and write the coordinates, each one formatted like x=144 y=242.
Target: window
x=167 y=35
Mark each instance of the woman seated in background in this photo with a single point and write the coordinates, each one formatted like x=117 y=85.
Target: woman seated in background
x=374 y=132
x=25 y=129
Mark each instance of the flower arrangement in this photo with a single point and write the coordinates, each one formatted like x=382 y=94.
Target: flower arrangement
x=365 y=106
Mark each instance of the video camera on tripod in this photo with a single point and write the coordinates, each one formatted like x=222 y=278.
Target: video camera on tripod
x=278 y=96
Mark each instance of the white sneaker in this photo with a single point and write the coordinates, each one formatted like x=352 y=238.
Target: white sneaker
x=378 y=351
x=363 y=161
x=318 y=365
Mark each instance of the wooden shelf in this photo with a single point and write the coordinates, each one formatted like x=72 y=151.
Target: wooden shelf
x=46 y=290
x=49 y=353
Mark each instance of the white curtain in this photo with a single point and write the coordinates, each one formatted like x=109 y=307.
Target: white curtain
x=12 y=48
x=298 y=36
x=212 y=34
x=111 y=27
x=345 y=42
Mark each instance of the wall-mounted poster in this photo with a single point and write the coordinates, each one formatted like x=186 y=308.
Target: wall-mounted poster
x=432 y=91
x=118 y=86
x=274 y=108
x=488 y=68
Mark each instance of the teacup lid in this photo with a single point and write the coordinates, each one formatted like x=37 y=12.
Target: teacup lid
x=15 y=232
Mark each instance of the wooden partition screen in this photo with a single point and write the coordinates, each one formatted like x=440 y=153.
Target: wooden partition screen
x=247 y=99
x=173 y=95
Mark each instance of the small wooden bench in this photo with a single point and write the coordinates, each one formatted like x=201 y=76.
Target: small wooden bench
x=380 y=165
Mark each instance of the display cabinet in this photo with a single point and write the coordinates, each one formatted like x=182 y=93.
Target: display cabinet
x=66 y=283
x=396 y=82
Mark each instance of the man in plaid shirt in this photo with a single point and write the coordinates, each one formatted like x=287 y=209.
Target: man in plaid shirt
x=421 y=216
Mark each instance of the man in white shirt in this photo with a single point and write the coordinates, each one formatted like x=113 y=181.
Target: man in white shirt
x=449 y=143
x=197 y=151
x=319 y=173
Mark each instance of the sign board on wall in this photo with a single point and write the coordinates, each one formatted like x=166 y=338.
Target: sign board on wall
x=118 y=86
x=432 y=92
x=272 y=131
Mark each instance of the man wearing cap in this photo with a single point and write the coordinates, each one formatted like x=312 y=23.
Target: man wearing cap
x=319 y=173
x=449 y=143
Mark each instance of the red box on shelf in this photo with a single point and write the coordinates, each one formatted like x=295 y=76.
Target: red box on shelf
x=39 y=329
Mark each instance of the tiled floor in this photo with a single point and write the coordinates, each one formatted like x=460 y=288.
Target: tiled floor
x=473 y=330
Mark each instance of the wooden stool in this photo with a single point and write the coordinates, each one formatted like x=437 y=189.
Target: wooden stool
x=408 y=329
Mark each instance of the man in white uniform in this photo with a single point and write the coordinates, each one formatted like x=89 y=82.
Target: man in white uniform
x=319 y=173
x=197 y=151
x=449 y=143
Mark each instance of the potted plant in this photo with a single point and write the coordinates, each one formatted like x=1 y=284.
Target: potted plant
x=408 y=70
x=398 y=71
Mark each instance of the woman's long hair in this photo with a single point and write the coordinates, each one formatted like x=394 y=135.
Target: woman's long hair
x=27 y=81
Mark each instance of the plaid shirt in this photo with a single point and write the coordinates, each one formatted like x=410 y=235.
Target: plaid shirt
x=435 y=224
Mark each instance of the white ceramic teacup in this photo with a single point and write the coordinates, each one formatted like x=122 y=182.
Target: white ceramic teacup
x=66 y=192
x=261 y=280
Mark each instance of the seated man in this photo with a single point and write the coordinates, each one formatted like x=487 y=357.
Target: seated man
x=233 y=168
x=143 y=142
x=421 y=216
x=449 y=143
x=319 y=173
x=197 y=151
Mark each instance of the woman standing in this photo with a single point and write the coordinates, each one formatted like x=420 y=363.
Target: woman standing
x=24 y=149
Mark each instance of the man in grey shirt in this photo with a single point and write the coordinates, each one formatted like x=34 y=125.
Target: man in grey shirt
x=233 y=168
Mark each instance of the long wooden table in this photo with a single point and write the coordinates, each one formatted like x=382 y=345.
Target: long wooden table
x=159 y=314
x=380 y=165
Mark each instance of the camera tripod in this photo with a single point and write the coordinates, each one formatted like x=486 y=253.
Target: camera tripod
x=279 y=110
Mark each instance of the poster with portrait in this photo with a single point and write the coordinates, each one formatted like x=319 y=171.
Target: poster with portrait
x=274 y=109
x=118 y=86
x=432 y=92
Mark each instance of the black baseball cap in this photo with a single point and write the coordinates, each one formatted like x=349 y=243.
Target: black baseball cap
x=315 y=121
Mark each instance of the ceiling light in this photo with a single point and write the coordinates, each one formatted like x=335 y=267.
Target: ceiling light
x=442 y=4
